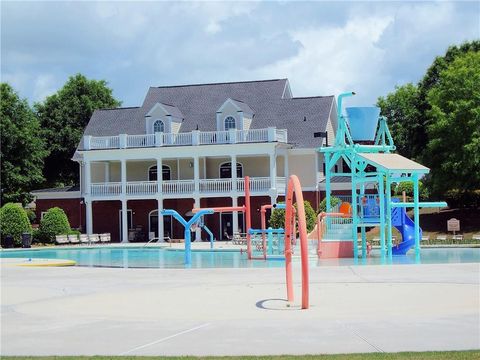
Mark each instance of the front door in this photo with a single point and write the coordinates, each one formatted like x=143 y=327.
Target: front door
x=226 y=225
x=167 y=224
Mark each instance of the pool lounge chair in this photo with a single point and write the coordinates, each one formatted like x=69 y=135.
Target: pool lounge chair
x=458 y=237
x=61 y=239
x=426 y=238
x=441 y=238
x=105 y=238
x=93 y=238
x=73 y=239
x=476 y=237
x=83 y=238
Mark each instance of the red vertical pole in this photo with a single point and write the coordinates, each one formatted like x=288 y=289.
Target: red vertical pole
x=248 y=220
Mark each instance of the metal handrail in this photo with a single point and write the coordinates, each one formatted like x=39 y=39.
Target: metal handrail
x=157 y=239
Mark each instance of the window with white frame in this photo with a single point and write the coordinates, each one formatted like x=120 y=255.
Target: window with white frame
x=229 y=123
x=158 y=126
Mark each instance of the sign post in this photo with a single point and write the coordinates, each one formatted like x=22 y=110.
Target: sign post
x=453 y=225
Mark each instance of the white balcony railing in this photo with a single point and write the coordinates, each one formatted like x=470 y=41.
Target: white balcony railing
x=142 y=187
x=206 y=186
x=104 y=189
x=185 y=139
x=215 y=185
x=178 y=186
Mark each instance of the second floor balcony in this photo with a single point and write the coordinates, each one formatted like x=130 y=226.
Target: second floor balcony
x=173 y=188
x=196 y=137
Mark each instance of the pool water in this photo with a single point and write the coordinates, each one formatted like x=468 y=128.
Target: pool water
x=138 y=257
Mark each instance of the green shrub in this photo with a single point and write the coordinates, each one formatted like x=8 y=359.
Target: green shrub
x=406 y=186
x=14 y=221
x=54 y=222
x=31 y=216
x=277 y=218
x=334 y=201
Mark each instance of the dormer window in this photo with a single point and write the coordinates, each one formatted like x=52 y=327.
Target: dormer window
x=229 y=123
x=158 y=126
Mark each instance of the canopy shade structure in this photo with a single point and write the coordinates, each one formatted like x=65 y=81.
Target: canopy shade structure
x=393 y=163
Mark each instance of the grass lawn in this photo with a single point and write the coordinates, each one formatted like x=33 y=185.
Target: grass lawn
x=432 y=355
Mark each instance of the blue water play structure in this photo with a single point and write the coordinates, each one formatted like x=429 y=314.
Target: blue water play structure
x=196 y=218
x=364 y=145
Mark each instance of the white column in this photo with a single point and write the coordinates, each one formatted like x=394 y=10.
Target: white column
x=233 y=163
x=89 y=216
x=124 y=221
x=87 y=178
x=160 y=219
x=285 y=165
x=198 y=231
x=107 y=171
x=235 y=214
x=196 y=175
x=273 y=170
x=159 y=175
x=123 y=175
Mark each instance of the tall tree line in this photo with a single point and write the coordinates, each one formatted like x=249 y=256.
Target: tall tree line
x=437 y=122
x=37 y=143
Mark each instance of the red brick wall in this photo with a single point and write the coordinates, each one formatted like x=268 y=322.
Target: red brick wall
x=74 y=209
x=106 y=218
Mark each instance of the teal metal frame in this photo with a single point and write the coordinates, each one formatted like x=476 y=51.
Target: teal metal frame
x=345 y=148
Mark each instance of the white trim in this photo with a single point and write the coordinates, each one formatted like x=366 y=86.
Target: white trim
x=287 y=87
x=229 y=100
x=229 y=162
x=57 y=195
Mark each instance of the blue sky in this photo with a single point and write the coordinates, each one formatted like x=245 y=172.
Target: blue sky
x=322 y=47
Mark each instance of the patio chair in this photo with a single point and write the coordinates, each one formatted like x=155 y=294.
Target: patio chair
x=376 y=241
x=476 y=237
x=426 y=238
x=61 y=239
x=441 y=238
x=457 y=237
x=93 y=238
x=73 y=239
x=84 y=238
x=105 y=238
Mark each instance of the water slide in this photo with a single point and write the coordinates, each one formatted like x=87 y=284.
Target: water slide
x=406 y=226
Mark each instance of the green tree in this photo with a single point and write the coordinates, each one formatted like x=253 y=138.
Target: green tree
x=22 y=152
x=14 y=222
x=54 y=222
x=63 y=117
x=430 y=81
x=277 y=218
x=334 y=201
x=454 y=131
x=400 y=108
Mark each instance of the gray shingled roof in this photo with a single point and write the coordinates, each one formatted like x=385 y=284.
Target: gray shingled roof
x=199 y=104
x=59 y=189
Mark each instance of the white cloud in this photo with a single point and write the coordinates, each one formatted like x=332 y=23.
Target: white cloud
x=43 y=86
x=334 y=59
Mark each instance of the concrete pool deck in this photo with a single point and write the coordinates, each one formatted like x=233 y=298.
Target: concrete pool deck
x=87 y=311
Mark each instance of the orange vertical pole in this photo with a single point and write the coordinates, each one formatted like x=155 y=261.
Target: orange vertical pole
x=248 y=220
x=294 y=186
x=288 y=242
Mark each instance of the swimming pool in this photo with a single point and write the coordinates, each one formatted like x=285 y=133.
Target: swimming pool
x=140 y=257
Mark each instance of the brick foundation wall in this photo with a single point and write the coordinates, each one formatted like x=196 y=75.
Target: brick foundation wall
x=74 y=209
